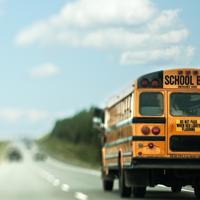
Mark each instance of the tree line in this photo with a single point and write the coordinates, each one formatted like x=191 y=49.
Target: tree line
x=79 y=130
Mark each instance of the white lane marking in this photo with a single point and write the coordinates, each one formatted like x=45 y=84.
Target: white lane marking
x=46 y=175
x=185 y=190
x=162 y=186
x=43 y=173
x=80 y=196
x=56 y=182
x=50 y=178
x=65 y=187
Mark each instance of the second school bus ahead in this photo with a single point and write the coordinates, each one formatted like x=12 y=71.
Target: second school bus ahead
x=152 y=134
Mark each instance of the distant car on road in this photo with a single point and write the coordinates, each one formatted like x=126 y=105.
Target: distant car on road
x=28 y=144
x=39 y=156
x=14 y=154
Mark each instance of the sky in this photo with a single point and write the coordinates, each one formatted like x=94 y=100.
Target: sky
x=58 y=57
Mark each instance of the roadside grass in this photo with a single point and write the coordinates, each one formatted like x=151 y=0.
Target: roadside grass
x=3 y=147
x=77 y=154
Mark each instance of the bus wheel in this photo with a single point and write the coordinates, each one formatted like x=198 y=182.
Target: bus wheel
x=176 y=188
x=139 y=191
x=197 y=191
x=124 y=190
x=107 y=185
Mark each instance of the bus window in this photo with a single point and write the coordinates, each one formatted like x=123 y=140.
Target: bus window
x=185 y=104
x=151 y=104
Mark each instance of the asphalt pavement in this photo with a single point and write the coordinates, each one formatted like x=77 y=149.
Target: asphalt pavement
x=54 y=180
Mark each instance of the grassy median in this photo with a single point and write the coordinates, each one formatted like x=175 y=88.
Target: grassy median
x=3 y=146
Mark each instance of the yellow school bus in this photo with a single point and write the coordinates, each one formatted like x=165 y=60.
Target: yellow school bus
x=152 y=134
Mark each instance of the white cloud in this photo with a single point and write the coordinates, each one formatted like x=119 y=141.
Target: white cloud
x=120 y=38
x=126 y=25
x=165 y=20
x=173 y=37
x=32 y=115
x=11 y=114
x=36 y=115
x=173 y=55
x=123 y=39
x=27 y=121
x=45 y=70
x=83 y=14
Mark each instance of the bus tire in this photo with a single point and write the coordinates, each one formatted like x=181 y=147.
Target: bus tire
x=176 y=188
x=139 y=192
x=123 y=189
x=108 y=185
x=197 y=191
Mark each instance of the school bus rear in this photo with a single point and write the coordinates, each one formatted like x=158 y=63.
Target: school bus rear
x=166 y=143
x=169 y=106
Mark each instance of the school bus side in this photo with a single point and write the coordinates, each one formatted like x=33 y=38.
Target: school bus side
x=117 y=151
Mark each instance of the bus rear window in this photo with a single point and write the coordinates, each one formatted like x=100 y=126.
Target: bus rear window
x=185 y=104
x=151 y=104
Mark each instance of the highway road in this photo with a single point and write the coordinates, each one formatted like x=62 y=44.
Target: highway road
x=53 y=180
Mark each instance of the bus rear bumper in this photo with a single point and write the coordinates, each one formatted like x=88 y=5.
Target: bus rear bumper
x=165 y=163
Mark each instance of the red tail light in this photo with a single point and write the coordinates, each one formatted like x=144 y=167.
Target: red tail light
x=180 y=72
x=145 y=83
x=155 y=130
x=155 y=83
x=188 y=73
x=145 y=130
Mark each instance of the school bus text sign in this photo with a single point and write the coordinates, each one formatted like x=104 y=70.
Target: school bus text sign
x=172 y=79
x=188 y=125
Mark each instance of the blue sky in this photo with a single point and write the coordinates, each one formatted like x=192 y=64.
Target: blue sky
x=58 y=57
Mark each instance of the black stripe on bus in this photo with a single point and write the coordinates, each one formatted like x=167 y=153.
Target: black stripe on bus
x=158 y=120
x=148 y=138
